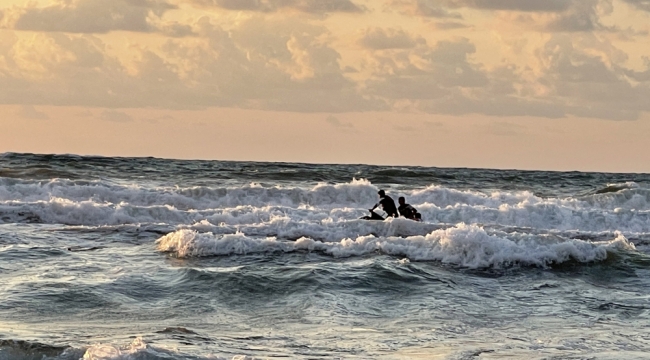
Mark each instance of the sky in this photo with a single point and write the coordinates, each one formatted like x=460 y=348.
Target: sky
x=525 y=84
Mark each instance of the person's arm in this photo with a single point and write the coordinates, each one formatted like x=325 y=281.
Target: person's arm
x=378 y=204
x=413 y=212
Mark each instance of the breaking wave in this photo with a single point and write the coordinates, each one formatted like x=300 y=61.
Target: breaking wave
x=96 y=203
x=464 y=245
x=138 y=349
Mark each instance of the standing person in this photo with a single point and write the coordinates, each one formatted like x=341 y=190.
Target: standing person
x=387 y=204
x=405 y=209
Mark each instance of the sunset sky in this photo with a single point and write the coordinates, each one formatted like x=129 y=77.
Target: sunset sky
x=528 y=84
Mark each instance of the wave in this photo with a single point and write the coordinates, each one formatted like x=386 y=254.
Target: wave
x=284 y=227
x=318 y=223
x=197 y=197
x=319 y=208
x=138 y=349
x=610 y=188
x=463 y=245
x=356 y=192
x=20 y=349
x=630 y=196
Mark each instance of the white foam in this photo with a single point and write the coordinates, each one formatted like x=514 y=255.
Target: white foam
x=464 y=245
x=187 y=243
x=542 y=215
x=110 y=352
x=322 y=212
x=139 y=349
x=197 y=197
x=326 y=229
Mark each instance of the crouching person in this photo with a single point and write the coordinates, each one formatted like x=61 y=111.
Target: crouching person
x=407 y=210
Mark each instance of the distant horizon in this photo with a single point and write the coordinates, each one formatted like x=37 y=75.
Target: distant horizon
x=311 y=163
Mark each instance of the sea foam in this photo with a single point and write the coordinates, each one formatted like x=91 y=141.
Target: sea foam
x=303 y=210
x=464 y=245
x=139 y=349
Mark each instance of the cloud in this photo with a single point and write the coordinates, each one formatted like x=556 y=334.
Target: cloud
x=337 y=123
x=307 y=6
x=294 y=67
x=286 y=61
x=516 y=5
x=640 y=4
x=434 y=127
x=483 y=102
x=581 y=73
x=425 y=72
x=423 y=8
x=556 y=16
x=271 y=65
x=580 y=16
x=577 y=78
x=159 y=119
x=548 y=15
x=640 y=76
x=382 y=39
x=450 y=25
x=60 y=69
x=89 y=16
x=443 y=8
x=175 y=29
x=116 y=116
x=29 y=112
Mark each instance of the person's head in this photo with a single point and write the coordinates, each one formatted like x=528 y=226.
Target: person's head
x=381 y=193
x=401 y=200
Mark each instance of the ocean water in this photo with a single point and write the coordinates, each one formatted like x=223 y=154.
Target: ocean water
x=143 y=258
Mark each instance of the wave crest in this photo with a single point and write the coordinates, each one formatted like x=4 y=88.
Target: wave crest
x=463 y=245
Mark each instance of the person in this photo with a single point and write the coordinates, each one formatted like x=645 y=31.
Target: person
x=387 y=204
x=407 y=210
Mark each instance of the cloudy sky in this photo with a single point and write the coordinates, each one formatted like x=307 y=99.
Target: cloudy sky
x=529 y=84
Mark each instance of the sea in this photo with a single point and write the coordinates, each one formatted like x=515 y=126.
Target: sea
x=146 y=258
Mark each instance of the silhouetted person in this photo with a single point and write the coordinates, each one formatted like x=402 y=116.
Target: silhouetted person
x=406 y=210
x=387 y=204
